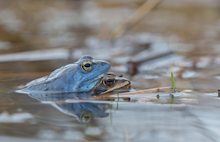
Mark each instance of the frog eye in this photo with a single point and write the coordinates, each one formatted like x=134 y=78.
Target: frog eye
x=109 y=82
x=85 y=116
x=87 y=66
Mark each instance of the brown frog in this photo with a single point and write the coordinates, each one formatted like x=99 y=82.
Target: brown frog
x=111 y=84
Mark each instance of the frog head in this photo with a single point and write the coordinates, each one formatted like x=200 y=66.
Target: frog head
x=88 y=73
x=112 y=83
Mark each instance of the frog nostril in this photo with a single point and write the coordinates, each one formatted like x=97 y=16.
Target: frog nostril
x=104 y=64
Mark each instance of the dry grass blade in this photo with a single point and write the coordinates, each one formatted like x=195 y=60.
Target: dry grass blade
x=129 y=94
x=142 y=11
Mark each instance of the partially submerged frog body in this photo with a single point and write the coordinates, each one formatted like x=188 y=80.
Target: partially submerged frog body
x=111 y=84
x=81 y=76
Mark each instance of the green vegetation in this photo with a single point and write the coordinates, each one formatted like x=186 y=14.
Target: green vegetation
x=173 y=82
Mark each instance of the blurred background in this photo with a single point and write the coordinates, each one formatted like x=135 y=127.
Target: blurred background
x=143 y=40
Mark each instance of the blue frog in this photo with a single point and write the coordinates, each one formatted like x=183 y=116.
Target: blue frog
x=81 y=76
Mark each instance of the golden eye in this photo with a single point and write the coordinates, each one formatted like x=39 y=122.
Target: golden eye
x=87 y=66
x=109 y=82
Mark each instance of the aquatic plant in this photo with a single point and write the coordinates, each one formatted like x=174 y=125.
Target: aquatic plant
x=173 y=82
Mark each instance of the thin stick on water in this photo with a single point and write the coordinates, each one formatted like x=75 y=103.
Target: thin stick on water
x=129 y=94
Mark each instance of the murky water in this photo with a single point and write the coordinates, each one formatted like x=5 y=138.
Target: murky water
x=32 y=45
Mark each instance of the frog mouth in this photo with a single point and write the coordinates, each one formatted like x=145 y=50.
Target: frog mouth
x=96 y=79
x=99 y=79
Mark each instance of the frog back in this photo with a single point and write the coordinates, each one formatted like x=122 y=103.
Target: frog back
x=59 y=79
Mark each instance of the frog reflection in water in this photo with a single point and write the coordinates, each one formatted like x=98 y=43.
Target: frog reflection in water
x=111 y=84
x=81 y=76
x=85 y=111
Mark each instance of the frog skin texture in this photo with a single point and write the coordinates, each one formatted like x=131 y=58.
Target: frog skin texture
x=81 y=76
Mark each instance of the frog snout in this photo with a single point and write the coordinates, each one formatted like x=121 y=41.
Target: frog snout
x=104 y=65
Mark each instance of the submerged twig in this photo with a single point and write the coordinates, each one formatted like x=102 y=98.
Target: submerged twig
x=133 y=65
